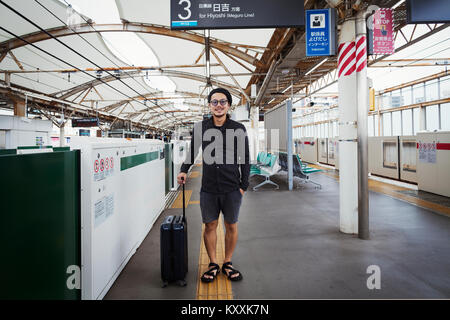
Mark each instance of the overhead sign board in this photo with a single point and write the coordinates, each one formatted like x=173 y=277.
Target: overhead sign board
x=235 y=14
x=320 y=32
x=383 y=35
x=430 y=11
x=85 y=122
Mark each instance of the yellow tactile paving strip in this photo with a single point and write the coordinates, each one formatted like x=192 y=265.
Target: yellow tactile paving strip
x=194 y=174
x=220 y=288
x=391 y=190
x=178 y=203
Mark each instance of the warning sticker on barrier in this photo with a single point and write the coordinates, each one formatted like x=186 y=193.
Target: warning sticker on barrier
x=103 y=209
x=427 y=152
x=103 y=168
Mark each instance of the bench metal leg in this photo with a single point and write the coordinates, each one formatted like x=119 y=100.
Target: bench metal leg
x=318 y=185
x=267 y=181
x=306 y=179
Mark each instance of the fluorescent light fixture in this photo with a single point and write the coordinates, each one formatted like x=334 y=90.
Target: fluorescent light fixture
x=287 y=88
x=316 y=66
x=271 y=100
x=208 y=72
x=398 y=4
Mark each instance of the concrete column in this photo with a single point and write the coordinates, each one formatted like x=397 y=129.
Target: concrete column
x=348 y=146
x=62 y=142
x=353 y=136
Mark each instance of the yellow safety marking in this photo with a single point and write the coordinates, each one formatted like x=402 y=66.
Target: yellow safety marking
x=220 y=288
x=178 y=203
x=391 y=190
x=194 y=174
x=194 y=202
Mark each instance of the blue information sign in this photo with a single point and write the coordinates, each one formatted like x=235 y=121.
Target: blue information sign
x=320 y=32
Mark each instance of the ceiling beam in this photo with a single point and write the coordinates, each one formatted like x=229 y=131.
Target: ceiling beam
x=64 y=94
x=135 y=27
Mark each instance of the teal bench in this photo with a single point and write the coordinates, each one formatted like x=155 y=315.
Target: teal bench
x=266 y=166
x=299 y=169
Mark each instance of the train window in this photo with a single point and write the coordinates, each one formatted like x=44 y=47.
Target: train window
x=432 y=118
x=409 y=156
x=390 y=154
x=396 y=123
x=445 y=116
x=407 y=122
x=387 y=124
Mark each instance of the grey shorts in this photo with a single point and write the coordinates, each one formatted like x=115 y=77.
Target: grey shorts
x=211 y=204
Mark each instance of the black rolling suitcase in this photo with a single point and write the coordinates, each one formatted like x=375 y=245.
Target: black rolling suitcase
x=174 y=249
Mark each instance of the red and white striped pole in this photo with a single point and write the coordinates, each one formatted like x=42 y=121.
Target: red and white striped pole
x=353 y=103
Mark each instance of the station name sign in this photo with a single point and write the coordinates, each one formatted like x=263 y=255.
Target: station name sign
x=85 y=122
x=235 y=14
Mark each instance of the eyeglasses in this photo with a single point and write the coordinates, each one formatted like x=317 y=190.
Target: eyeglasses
x=223 y=102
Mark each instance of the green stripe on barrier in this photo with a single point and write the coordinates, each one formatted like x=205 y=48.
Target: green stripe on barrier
x=34 y=147
x=61 y=149
x=133 y=161
x=4 y=152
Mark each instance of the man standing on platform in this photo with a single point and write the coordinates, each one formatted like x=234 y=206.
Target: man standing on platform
x=226 y=170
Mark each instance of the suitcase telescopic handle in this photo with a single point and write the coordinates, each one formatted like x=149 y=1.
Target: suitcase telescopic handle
x=184 y=205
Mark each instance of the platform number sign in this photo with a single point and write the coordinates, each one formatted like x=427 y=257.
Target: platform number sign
x=186 y=7
x=235 y=14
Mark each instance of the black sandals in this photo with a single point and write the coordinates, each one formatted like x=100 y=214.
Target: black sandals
x=231 y=272
x=211 y=272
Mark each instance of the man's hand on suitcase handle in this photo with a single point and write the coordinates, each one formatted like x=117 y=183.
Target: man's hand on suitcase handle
x=181 y=178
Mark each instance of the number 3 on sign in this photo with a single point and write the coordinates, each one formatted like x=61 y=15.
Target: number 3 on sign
x=188 y=6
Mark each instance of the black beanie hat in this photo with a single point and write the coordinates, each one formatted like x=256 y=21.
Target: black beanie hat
x=221 y=90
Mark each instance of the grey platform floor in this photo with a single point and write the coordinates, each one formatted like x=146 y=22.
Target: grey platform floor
x=290 y=247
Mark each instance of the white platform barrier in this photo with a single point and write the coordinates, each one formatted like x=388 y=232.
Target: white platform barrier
x=433 y=162
x=333 y=152
x=322 y=150
x=383 y=156
x=307 y=148
x=408 y=158
x=180 y=148
x=122 y=194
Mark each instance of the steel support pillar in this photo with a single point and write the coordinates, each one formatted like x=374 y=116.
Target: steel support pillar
x=362 y=92
x=254 y=133
x=353 y=109
x=289 y=143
